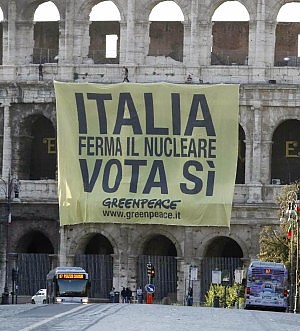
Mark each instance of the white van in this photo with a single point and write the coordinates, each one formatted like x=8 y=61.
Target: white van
x=40 y=296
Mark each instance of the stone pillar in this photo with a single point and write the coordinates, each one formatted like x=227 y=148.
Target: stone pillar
x=7 y=142
x=257 y=129
x=24 y=41
x=248 y=161
x=9 y=35
x=266 y=153
x=193 y=55
x=130 y=36
x=205 y=43
x=181 y=268
x=255 y=187
x=62 y=259
x=66 y=32
x=187 y=43
x=258 y=58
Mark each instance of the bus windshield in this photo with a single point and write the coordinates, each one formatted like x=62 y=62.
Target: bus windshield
x=67 y=287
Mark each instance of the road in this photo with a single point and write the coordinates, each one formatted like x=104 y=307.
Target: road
x=135 y=317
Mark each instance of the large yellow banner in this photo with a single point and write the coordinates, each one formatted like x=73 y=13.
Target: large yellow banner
x=146 y=153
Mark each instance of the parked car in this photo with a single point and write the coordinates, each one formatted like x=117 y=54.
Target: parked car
x=40 y=296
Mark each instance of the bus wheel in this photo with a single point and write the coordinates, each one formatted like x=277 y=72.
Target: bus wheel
x=32 y=301
x=44 y=301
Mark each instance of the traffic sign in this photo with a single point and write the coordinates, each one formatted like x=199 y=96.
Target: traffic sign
x=150 y=288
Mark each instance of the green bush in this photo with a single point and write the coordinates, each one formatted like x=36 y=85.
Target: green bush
x=233 y=293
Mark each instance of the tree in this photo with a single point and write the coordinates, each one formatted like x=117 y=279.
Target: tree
x=275 y=241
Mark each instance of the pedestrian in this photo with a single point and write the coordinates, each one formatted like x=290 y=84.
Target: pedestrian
x=190 y=297
x=123 y=295
x=128 y=295
x=125 y=74
x=41 y=75
x=189 y=79
x=139 y=293
x=112 y=295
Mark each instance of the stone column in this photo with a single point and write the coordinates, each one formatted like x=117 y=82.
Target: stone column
x=66 y=39
x=255 y=188
x=9 y=35
x=205 y=43
x=258 y=58
x=193 y=55
x=266 y=152
x=7 y=142
x=24 y=42
x=248 y=161
x=130 y=36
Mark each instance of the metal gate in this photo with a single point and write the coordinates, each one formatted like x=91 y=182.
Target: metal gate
x=220 y=263
x=100 y=270
x=32 y=272
x=165 y=279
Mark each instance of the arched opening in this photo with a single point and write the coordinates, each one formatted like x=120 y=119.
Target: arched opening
x=35 y=242
x=166 y=31
x=43 y=150
x=159 y=246
x=99 y=244
x=46 y=33
x=223 y=254
x=104 y=33
x=33 y=261
x=223 y=247
x=97 y=260
x=230 y=34
x=161 y=252
x=286 y=153
x=240 y=173
x=287 y=45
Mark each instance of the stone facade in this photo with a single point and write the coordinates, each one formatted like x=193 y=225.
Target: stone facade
x=269 y=97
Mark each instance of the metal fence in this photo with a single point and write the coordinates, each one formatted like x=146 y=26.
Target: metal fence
x=100 y=270
x=165 y=280
x=32 y=272
x=221 y=263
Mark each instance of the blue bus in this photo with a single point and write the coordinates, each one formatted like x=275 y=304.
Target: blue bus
x=266 y=286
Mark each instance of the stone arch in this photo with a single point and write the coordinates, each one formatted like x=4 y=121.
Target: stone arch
x=285 y=160
x=27 y=12
x=34 y=242
x=104 y=45
x=286 y=49
x=141 y=241
x=84 y=10
x=230 y=41
x=223 y=246
x=24 y=145
x=159 y=245
x=249 y=5
x=166 y=38
x=84 y=235
x=43 y=150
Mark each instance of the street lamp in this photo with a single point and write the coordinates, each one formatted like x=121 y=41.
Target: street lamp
x=7 y=187
x=292 y=212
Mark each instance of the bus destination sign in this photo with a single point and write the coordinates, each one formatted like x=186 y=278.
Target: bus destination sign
x=71 y=276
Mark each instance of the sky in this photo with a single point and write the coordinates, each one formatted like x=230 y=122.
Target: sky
x=169 y=11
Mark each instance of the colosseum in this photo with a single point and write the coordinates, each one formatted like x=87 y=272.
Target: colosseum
x=259 y=52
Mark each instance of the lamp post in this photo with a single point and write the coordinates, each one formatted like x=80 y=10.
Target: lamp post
x=293 y=217
x=7 y=187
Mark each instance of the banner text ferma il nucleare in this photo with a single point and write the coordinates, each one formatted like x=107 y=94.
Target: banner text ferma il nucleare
x=146 y=153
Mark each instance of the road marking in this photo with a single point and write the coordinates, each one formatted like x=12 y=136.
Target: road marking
x=32 y=327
